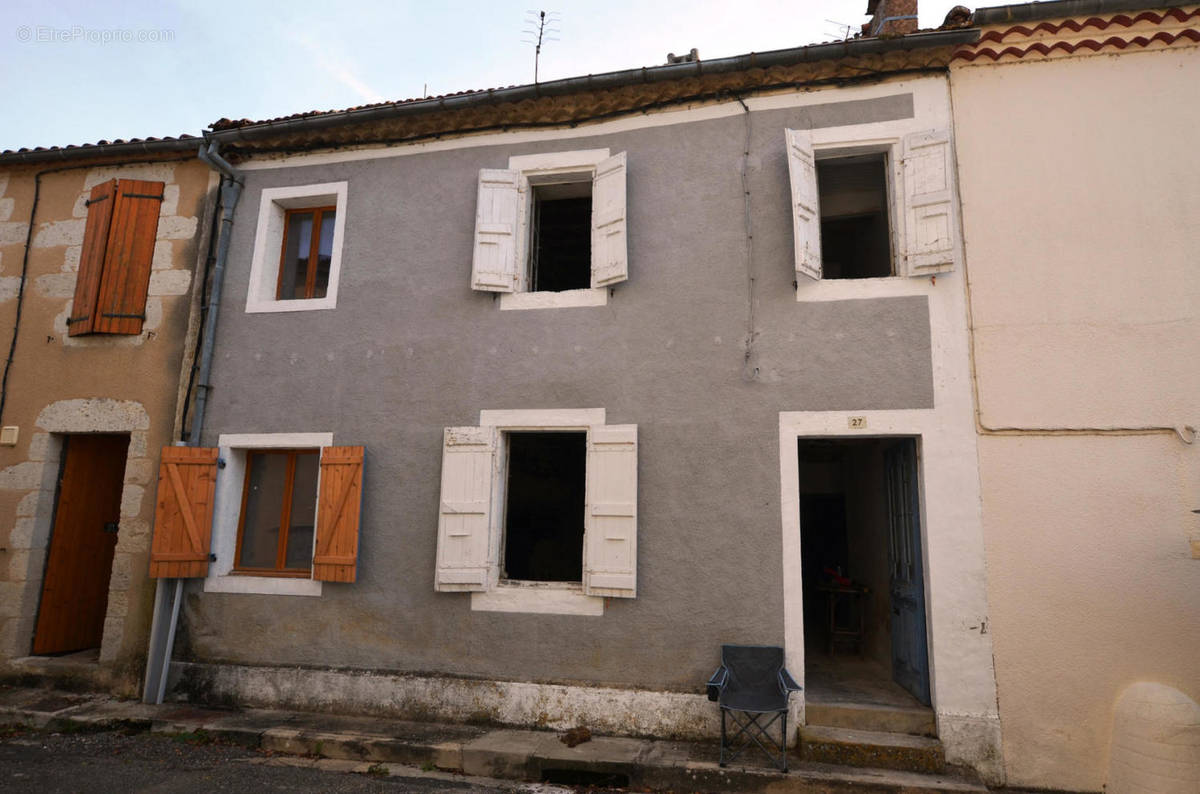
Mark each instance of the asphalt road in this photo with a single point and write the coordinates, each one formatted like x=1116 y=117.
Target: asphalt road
x=121 y=763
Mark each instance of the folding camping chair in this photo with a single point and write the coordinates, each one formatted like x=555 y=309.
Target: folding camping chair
x=752 y=685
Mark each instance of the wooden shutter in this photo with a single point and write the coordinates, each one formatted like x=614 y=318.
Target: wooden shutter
x=931 y=226
x=187 y=477
x=121 y=307
x=91 y=261
x=806 y=207
x=339 y=505
x=610 y=254
x=610 y=533
x=495 y=267
x=464 y=546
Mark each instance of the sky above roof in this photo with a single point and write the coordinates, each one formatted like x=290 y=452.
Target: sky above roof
x=79 y=72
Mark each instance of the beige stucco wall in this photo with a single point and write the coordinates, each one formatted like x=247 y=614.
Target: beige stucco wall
x=1081 y=217
x=103 y=383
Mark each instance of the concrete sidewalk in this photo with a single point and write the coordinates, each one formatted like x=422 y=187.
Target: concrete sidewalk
x=467 y=749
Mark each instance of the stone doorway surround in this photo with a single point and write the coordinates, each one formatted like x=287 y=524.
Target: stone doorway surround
x=34 y=483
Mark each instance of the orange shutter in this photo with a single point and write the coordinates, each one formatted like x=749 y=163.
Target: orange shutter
x=91 y=260
x=338 y=506
x=121 y=307
x=187 y=478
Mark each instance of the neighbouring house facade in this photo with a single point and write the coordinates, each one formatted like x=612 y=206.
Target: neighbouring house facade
x=525 y=400
x=99 y=247
x=1076 y=129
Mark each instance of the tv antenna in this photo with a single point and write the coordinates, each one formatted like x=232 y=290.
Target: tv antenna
x=539 y=30
x=843 y=29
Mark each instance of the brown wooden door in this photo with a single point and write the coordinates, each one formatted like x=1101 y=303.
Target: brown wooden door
x=78 y=565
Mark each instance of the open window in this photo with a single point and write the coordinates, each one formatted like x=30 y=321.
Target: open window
x=552 y=226
x=537 y=502
x=114 y=266
x=872 y=210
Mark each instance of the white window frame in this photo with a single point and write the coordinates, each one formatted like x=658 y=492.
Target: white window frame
x=508 y=595
x=268 y=242
x=889 y=139
x=481 y=574
x=227 y=509
x=549 y=168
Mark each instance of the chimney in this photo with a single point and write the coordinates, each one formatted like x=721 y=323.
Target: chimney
x=891 y=17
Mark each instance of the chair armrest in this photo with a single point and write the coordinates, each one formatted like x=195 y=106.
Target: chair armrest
x=717 y=683
x=788 y=683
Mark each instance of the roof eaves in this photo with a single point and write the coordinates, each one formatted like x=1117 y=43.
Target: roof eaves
x=104 y=149
x=1028 y=12
x=608 y=80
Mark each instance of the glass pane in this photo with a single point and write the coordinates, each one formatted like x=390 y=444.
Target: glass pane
x=304 y=512
x=295 y=256
x=264 y=506
x=324 y=253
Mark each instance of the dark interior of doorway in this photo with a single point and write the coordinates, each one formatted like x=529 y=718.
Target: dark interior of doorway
x=860 y=541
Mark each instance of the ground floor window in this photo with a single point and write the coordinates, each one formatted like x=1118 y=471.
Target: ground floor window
x=544 y=510
x=279 y=511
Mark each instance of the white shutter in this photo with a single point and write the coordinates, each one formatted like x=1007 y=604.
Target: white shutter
x=464 y=516
x=930 y=224
x=494 y=267
x=806 y=208
x=610 y=534
x=610 y=256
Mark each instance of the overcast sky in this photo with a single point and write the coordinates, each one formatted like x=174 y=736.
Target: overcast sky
x=82 y=71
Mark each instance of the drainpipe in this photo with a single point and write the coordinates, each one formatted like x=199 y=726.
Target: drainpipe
x=169 y=593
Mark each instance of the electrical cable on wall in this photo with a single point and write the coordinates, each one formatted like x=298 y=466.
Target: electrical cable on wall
x=749 y=370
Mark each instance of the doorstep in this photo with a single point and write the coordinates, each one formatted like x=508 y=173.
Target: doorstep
x=468 y=749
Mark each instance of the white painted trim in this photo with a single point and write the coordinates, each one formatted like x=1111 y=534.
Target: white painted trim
x=268 y=237
x=557 y=161
x=930 y=95
x=593 y=296
x=962 y=674
x=538 y=598
x=227 y=506
x=846 y=289
x=543 y=418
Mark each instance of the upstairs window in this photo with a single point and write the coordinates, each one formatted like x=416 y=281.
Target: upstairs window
x=552 y=226
x=114 y=266
x=856 y=240
x=873 y=210
x=298 y=246
x=307 y=253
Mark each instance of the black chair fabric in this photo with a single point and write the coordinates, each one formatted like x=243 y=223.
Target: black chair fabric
x=752 y=681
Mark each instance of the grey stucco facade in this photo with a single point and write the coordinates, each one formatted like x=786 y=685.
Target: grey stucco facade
x=411 y=349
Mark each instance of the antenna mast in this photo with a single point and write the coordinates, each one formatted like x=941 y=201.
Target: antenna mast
x=539 y=30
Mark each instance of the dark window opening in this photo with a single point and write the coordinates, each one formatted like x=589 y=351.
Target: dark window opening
x=543 y=527
x=855 y=234
x=561 y=245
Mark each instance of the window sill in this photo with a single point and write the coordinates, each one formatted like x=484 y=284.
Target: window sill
x=839 y=289
x=253 y=584
x=298 y=305
x=595 y=296
x=538 y=598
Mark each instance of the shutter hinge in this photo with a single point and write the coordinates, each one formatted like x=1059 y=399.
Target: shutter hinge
x=122 y=316
x=142 y=195
x=72 y=320
x=212 y=557
x=90 y=202
x=220 y=463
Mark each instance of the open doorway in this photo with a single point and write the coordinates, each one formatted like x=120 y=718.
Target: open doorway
x=863 y=578
x=82 y=543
